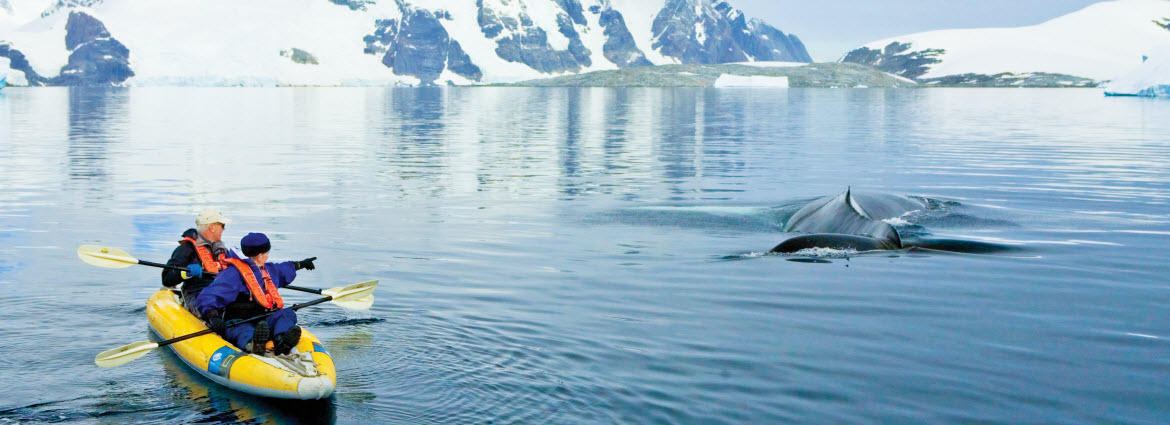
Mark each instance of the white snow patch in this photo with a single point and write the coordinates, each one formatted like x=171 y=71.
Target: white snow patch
x=544 y=15
x=243 y=47
x=728 y=80
x=1099 y=42
x=639 y=16
x=20 y=12
x=902 y=79
x=593 y=37
x=41 y=40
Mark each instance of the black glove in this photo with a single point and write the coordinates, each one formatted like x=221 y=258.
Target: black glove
x=305 y=264
x=215 y=320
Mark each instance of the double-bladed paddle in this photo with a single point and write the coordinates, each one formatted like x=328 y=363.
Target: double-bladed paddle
x=114 y=258
x=128 y=353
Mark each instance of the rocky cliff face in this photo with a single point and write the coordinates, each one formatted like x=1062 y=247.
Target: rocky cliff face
x=419 y=45
x=520 y=40
x=620 y=47
x=18 y=62
x=896 y=58
x=709 y=32
x=95 y=58
x=389 y=41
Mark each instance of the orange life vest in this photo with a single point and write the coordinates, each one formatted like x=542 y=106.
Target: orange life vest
x=269 y=297
x=210 y=264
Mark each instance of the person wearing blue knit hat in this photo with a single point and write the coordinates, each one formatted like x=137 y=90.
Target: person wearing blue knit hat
x=248 y=288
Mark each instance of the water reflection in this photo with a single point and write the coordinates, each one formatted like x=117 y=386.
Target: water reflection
x=213 y=403
x=97 y=118
x=570 y=146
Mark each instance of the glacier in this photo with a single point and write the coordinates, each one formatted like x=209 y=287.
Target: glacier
x=1150 y=79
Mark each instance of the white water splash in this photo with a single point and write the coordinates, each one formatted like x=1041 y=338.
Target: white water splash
x=896 y=221
x=825 y=253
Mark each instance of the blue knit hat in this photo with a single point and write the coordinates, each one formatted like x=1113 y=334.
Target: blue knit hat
x=255 y=244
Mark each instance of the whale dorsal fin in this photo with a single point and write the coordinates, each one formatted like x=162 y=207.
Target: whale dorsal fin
x=841 y=214
x=851 y=202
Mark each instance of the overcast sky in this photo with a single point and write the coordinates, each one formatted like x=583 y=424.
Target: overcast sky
x=831 y=28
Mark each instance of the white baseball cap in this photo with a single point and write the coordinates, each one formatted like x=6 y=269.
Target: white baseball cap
x=211 y=215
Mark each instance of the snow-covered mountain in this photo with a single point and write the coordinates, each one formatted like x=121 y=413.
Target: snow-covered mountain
x=369 y=42
x=1099 y=42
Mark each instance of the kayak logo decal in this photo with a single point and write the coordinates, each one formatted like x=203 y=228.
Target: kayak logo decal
x=221 y=361
x=320 y=348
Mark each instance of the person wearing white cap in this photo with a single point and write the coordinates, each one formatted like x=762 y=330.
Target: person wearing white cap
x=201 y=250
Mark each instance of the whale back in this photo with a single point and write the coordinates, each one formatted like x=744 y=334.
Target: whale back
x=845 y=214
x=881 y=206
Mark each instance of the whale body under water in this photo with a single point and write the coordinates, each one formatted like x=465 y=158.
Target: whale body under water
x=854 y=221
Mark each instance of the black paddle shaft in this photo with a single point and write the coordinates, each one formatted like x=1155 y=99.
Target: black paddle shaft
x=183 y=269
x=242 y=321
x=169 y=267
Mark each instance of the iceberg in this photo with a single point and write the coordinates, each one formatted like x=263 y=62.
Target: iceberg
x=728 y=80
x=4 y=64
x=1150 y=79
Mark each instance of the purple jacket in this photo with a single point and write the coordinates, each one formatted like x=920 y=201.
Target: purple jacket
x=229 y=286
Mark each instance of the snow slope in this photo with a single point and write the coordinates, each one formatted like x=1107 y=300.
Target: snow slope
x=1100 y=42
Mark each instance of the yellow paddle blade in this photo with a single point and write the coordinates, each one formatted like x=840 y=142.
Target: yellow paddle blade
x=102 y=256
x=353 y=292
x=124 y=354
x=363 y=303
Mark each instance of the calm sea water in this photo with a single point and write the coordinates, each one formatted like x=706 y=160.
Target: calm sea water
x=592 y=256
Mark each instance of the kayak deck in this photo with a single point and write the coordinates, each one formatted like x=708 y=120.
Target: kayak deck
x=307 y=373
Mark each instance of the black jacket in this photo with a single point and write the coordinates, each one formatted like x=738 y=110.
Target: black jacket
x=184 y=256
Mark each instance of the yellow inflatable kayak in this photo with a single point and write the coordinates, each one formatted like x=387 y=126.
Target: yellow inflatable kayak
x=307 y=373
